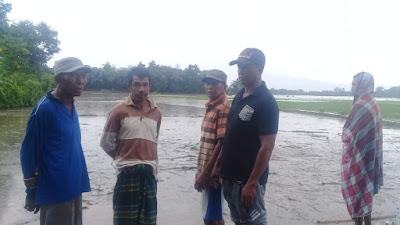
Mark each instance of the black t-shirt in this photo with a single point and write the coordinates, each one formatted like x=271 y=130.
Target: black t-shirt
x=248 y=119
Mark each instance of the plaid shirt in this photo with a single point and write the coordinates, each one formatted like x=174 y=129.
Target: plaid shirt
x=213 y=128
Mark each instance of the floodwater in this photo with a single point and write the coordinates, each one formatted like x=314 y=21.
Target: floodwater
x=303 y=188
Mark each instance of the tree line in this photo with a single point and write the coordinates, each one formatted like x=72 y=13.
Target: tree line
x=25 y=49
x=163 y=79
x=393 y=92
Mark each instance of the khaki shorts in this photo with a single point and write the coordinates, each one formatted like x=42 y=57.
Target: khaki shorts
x=63 y=213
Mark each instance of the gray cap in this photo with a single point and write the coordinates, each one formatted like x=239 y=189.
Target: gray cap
x=68 y=65
x=217 y=75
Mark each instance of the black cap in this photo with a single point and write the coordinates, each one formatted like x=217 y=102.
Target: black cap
x=250 y=56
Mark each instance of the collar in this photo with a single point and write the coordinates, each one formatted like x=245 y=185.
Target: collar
x=222 y=99
x=129 y=102
x=52 y=97
x=258 y=91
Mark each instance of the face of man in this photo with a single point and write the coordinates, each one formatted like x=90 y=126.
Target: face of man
x=214 y=88
x=140 y=88
x=72 y=83
x=248 y=74
x=354 y=85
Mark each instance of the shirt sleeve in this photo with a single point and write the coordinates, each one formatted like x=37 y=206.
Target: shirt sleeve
x=111 y=129
x=268 y=118
x=32 y=144
x=221 y=123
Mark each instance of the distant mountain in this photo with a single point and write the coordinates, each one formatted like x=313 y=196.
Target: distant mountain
x=292 y=83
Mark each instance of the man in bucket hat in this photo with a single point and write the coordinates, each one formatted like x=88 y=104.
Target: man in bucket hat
x=249 y=140
x=52 y=159
x=212 y=133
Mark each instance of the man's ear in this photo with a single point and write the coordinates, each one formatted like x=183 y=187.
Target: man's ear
x=57 y=78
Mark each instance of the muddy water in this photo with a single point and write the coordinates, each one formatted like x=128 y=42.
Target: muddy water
x=304 y=178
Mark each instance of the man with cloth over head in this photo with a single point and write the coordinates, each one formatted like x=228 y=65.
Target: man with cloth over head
x=249 y=141
x=362 y=174
x=212 y=134
x=130 y=137
x=52 y=159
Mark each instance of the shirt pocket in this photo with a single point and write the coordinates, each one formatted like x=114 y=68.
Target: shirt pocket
x=246 y=113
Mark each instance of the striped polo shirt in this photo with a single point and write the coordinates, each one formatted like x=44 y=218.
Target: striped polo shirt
x=212 y=128
x=130 y=135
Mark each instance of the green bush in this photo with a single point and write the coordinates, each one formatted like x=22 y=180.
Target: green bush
x=13 y=95
x=20 y=77
x=10 y=93
x=47 y=82
x=32 y=91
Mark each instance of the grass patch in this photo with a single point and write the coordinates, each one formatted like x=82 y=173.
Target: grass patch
x=335 y=106
x=390 y=109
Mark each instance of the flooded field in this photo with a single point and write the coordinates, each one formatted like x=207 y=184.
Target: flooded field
x=303 y=188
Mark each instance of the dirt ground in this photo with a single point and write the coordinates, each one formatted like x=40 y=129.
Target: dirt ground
x=303 y=188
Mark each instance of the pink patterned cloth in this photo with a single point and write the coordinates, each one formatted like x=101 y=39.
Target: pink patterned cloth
x=362 y=152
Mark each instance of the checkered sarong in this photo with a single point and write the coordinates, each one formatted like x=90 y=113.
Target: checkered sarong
x=362 y=156
x=135 y=201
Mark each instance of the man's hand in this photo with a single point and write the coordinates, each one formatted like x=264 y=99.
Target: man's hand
x=215 y=178
x=30 y=206
x=31 y=182
x=247 y=196
x=201 y=181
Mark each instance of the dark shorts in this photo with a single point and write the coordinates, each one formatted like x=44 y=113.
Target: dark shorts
x=256 y=215
x=135 y=196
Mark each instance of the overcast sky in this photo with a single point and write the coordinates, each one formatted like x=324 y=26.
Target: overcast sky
x=324 y=40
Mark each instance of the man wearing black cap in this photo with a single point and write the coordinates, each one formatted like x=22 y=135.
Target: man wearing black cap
x=52 y=159
x=212 y=133
x=249 y=141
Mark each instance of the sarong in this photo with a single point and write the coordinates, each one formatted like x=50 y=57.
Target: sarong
x=135 y=196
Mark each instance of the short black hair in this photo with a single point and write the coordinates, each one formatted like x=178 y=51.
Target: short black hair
x=139 y=71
